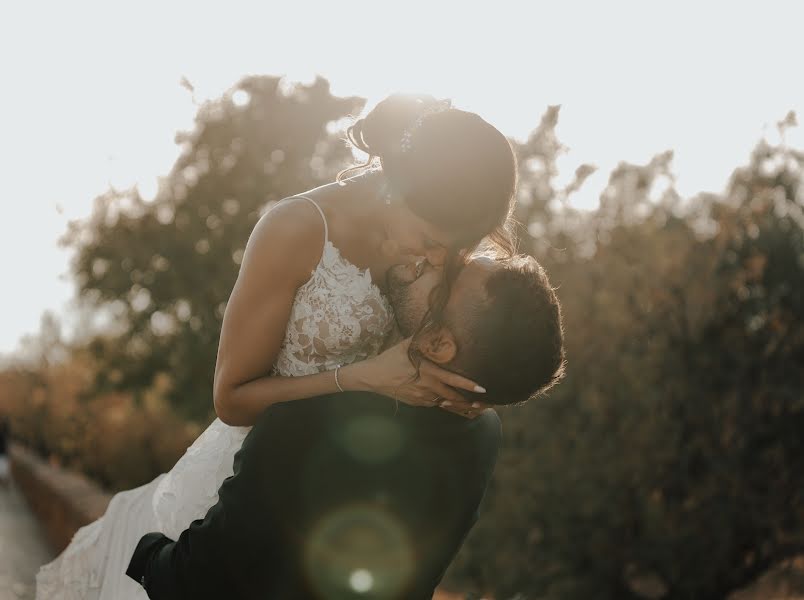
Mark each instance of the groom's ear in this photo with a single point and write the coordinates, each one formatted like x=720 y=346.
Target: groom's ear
x=439 y=346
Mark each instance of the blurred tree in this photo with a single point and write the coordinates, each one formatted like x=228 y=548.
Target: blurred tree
x=47 y=346
x=162 y=271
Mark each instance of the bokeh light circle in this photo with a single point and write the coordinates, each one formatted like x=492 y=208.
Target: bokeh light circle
x=359 y=551
x=361 y=580
x=372 y=439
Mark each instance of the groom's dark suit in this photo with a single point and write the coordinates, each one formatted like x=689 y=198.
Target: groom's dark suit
x=340 y=496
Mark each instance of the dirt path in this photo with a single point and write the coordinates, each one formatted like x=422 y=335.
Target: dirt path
x=22 y=546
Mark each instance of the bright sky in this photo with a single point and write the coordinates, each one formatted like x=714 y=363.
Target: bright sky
x=91 y=95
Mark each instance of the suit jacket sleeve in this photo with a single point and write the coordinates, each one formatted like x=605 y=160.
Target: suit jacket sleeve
x=217 y=552
x=435 y=561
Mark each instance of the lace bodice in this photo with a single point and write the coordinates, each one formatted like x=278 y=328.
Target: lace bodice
x=339 y=316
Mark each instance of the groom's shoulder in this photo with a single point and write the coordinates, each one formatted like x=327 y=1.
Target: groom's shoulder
x=487 y=427
x=332 y=410
x=298 y=420
x=489 y=421
x=326 y=404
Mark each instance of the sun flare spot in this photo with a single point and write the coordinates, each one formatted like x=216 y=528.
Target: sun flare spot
x=361 y=580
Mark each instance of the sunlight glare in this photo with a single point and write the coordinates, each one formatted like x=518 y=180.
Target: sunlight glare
x=148 y=187
x=361 y=580
x=359 y=547
x=241 y=98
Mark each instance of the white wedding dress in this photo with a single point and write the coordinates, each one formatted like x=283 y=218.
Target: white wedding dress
x=339 y=316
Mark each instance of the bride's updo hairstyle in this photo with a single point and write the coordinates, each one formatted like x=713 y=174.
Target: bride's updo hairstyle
x=453 y=169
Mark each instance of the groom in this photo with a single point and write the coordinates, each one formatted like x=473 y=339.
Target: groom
x=352 y=496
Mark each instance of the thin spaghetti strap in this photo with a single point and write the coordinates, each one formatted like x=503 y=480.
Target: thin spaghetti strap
x=321 y=212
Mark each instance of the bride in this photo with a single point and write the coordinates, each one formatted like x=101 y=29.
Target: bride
x=308 y=315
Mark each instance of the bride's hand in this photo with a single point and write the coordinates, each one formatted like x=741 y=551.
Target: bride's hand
x=392 y=374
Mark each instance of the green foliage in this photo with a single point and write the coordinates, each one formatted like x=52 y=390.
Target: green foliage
x=163 y=270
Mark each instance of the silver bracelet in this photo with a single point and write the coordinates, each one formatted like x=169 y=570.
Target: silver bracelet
x=337 y=383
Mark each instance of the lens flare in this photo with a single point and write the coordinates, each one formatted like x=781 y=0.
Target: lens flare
x=372 y=439
x=359 y=549
x=361 y=580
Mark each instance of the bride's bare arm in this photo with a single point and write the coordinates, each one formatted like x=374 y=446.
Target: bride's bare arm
x=282 y=251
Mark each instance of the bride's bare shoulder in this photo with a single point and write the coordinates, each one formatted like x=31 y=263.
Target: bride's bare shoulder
x=291 y=233
x=294 y=217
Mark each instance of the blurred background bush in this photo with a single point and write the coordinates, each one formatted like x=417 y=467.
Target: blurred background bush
x=669 y=462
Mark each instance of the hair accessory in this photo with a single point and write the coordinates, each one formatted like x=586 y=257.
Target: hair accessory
x=437 y=107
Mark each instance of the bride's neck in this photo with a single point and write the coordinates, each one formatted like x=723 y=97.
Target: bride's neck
x=359 y=214
x=359 y=201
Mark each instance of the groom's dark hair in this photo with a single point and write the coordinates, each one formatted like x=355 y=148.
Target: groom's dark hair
x=513 y=343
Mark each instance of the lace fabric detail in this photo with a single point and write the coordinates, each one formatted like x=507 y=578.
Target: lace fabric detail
x=338 y=317
x=190 y=488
